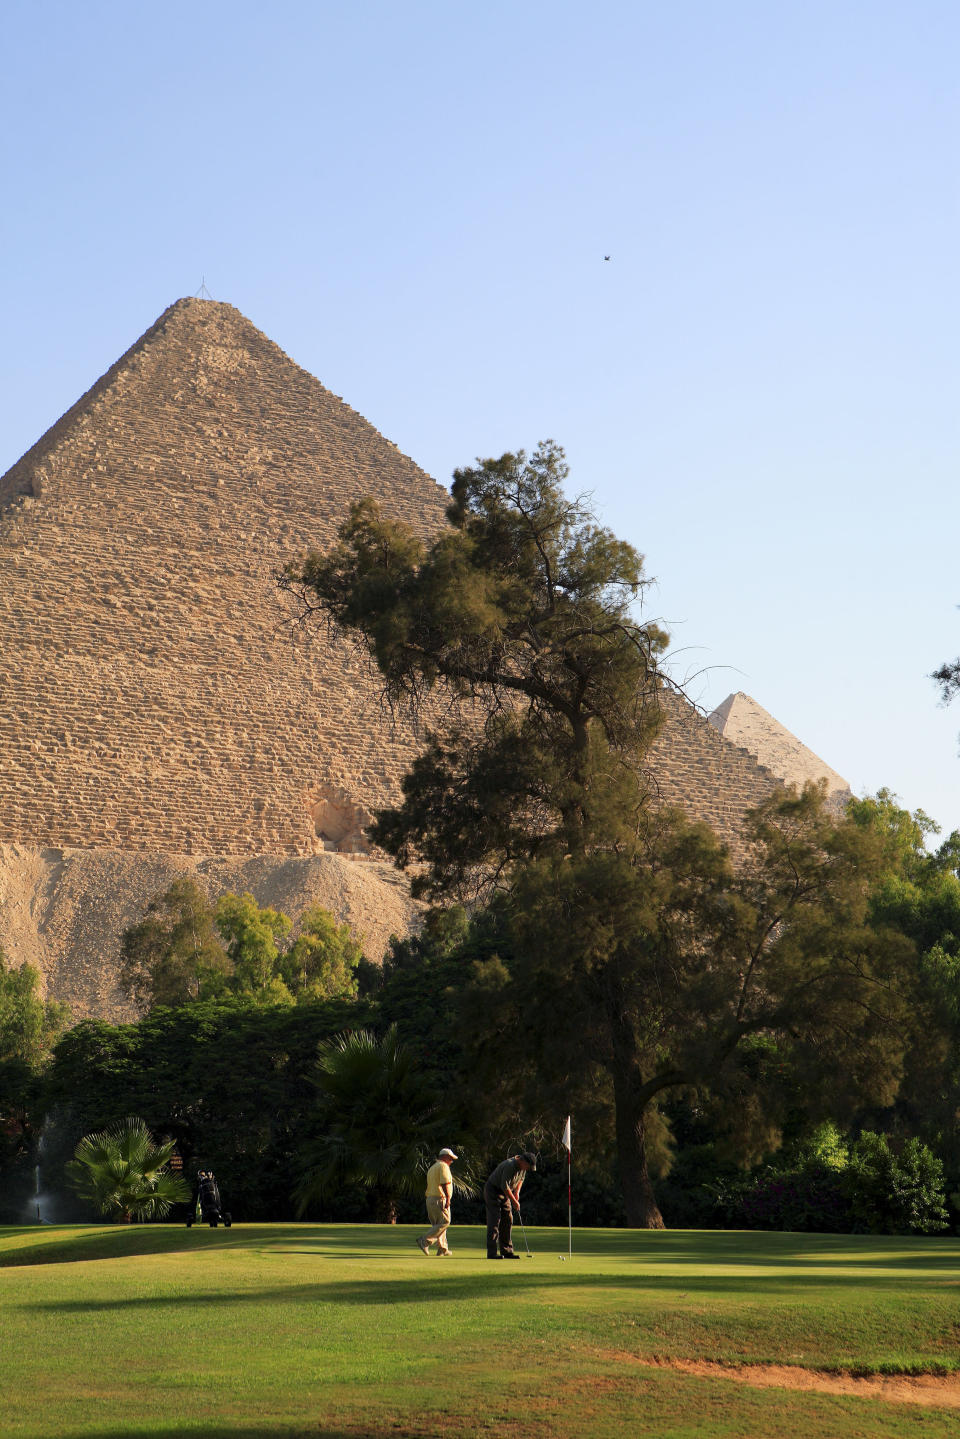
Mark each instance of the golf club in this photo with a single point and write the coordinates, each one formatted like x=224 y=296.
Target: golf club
x=524 y=1232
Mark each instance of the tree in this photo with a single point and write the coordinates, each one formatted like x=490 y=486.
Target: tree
x=948 y=678
x=250 y=936
x=186 y=949
x=376 y=1117
x=641 y=973
x=919 y=896
x=29 y=1025
x=826 y=1185
x=522 y=613
x=895 y=1193
x=322 y=962
x=123 y=1172
x=175 y=953
x=636 y=956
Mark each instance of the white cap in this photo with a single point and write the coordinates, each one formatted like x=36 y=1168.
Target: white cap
x=446 y=1154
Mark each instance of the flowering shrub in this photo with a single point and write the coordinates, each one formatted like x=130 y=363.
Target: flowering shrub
x=809 y=1199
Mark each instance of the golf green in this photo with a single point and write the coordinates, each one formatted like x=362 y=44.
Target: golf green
x=302 y=1329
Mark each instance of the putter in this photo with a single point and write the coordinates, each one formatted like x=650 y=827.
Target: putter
x=524 y=1232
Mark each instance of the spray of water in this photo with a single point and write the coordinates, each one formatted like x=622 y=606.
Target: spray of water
x=38 y=1199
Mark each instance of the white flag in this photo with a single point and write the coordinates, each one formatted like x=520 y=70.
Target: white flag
x=565 y=1141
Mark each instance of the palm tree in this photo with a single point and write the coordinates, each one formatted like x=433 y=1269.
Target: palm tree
x=378 y=1116
x=123 y=1172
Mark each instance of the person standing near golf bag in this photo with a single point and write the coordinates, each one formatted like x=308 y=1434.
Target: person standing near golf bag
x=501 y=1195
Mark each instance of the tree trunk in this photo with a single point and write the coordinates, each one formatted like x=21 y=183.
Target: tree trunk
x=638 y=1196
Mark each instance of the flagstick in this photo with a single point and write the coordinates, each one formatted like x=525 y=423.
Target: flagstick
x=569 y=1206
x=567 y=1142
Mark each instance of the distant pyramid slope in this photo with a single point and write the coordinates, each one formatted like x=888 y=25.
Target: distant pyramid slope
x=153 y=694
x=693 y=766
x=745 y=723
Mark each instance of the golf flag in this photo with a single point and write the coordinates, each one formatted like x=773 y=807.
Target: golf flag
x=568 y=1145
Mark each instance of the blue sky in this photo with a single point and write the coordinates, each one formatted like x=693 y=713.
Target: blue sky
x=759 y=388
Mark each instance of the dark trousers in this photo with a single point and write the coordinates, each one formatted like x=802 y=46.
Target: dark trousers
x=499 y=1221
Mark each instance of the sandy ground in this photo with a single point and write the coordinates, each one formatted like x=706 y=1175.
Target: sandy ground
x=942 y=1390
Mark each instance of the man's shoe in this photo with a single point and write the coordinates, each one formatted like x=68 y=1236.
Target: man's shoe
x=422 y=1245
x=509 y=1254
x=444 y=1253
x=494 y=1256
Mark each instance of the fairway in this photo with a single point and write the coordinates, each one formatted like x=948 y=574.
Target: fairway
x=349 y=1330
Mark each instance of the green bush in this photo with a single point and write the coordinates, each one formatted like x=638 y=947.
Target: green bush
x=890 y=1193
x=826 y=1188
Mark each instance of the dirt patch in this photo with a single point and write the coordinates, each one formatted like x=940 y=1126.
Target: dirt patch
x=942 y=1390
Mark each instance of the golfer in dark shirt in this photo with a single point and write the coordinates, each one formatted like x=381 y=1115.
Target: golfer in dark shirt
x=501 y=1194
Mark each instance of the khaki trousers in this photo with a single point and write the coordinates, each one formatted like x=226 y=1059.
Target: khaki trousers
x=439 y=1216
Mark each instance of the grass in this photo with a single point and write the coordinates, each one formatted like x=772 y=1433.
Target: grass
x=282 y=1330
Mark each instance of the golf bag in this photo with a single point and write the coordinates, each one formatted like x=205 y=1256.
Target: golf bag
x=206 y=1195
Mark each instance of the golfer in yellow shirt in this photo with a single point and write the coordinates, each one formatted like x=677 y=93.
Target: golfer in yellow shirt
x=439 y=1199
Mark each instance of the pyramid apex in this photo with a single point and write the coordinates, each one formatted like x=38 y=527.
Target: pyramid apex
x=201 y=302
x=744 y=722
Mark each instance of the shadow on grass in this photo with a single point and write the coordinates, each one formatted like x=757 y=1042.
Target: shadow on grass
x=696 y=1249
x=477 y=1288
x=137 y=1240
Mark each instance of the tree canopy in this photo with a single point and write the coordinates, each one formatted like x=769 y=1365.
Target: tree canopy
x=226 y=1077
x=374 y=1122
x=522 y=615
x=187 y=948
x=29 y=1024
x=948 y=678
x=637 y=974
x=634 y=951
x=918 y=895
x=175 y=952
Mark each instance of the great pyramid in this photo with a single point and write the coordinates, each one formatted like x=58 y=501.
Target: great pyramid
x=158 y=712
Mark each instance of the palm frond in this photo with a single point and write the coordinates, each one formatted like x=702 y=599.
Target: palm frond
x=122 y=1171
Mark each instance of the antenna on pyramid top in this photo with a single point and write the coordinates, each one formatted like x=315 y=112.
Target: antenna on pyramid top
x=203 y=293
